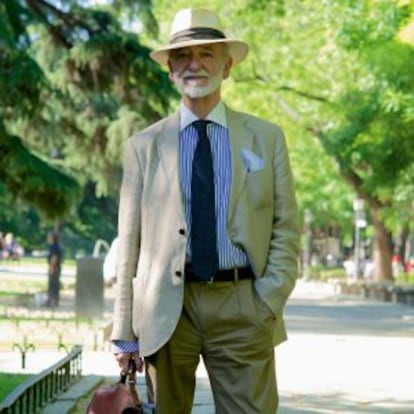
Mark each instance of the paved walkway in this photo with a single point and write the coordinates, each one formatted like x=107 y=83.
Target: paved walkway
x=344 y=355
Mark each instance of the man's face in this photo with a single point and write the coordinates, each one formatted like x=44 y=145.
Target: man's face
x=197 y=71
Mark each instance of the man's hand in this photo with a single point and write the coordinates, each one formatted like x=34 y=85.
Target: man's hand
x=124 y=358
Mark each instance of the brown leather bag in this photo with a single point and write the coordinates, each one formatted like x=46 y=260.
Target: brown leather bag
x=119 y=398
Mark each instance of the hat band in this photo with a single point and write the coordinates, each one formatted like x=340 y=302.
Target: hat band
x=197 y=33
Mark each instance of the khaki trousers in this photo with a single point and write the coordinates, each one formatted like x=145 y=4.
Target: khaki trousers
x=228 y=325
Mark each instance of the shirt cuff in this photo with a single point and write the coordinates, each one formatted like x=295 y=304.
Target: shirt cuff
x=119 y=346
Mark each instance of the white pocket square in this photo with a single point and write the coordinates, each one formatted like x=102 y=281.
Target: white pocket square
x=252 y=161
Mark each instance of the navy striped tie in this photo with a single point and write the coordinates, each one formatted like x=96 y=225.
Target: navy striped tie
x=204 y=256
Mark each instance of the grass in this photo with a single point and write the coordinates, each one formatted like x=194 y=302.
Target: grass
x=323 y=273
x=68 y=263
x=10 y=284
x=7 y=294
x=8 y=382
x=10 y=287
x=42 y=260
x=405 y=279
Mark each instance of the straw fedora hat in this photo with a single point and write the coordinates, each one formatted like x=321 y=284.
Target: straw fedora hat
x=192 y=27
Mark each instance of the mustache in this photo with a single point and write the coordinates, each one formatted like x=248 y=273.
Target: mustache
x=190 y=74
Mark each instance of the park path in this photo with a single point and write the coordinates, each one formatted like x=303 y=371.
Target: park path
x=345 y=354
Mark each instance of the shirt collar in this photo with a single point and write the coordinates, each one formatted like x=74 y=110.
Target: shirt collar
x=217 y=115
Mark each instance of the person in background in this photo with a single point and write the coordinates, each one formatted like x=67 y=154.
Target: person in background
x=54 y=260
x=11 y=249
x=208 y=236
x=2 y=245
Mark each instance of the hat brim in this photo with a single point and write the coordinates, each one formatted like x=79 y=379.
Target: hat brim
x=237 y=48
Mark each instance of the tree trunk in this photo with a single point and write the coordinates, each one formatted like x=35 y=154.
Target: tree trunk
x=382 y=249
x=404 y=252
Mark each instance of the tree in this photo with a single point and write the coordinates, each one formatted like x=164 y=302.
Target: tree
x=74 y=84
x=322 y=70
x=369 y=132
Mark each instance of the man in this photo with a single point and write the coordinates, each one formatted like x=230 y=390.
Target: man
x=54 y=260
x=189 y=286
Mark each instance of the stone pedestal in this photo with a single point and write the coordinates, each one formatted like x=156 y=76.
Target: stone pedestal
x=89 y=288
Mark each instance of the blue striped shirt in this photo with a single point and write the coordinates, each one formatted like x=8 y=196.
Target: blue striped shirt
x=218 y=134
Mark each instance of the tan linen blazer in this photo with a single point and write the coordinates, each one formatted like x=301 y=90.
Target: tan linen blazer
x=153 y=232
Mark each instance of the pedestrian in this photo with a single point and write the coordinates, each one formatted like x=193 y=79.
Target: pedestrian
x=54 y=261
x=2 y=245
x=11 y=248
x=208 y=236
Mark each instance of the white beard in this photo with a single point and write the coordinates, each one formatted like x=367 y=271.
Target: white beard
x=191 y=88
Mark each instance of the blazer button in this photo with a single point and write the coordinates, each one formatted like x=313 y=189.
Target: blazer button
x=178 y=273
x=181 y=231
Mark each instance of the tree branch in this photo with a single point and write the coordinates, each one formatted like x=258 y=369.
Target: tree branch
x=38 y=7
x=68 y=18
x=55 y=31
x=302 y=93
x=268 y=80
x=350 y=176
x=290 y=112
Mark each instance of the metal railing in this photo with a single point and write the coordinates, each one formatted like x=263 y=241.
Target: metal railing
x=37 y=391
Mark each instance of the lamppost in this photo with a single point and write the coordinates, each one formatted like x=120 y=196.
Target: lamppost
x=360 y=223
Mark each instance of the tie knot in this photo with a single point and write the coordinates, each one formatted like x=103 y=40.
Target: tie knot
x=201 y=127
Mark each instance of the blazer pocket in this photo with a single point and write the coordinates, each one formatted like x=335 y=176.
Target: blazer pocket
x=259 y=188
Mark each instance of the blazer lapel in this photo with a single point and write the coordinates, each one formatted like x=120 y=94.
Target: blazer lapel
x=240 y=137
x=168 y=148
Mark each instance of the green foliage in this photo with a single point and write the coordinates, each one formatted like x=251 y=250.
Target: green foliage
x=9 y=381
x=94 y=81
x=272 y=7
x=336 y=75
x=374 y=140
x=75 y=82
x=21 y=81
x=92 y=219
x=325 y=274
x=405 y=279
x=96 y=218
x=13 y=20
x=380 y=20
x=34 y=180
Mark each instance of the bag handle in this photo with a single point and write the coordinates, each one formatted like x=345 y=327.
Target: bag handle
x=132 y=380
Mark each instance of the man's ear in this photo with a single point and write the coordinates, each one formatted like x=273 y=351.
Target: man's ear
x=170 y=72
x=227 y=67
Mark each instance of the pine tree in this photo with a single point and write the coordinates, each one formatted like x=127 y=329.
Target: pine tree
x=75 y=83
